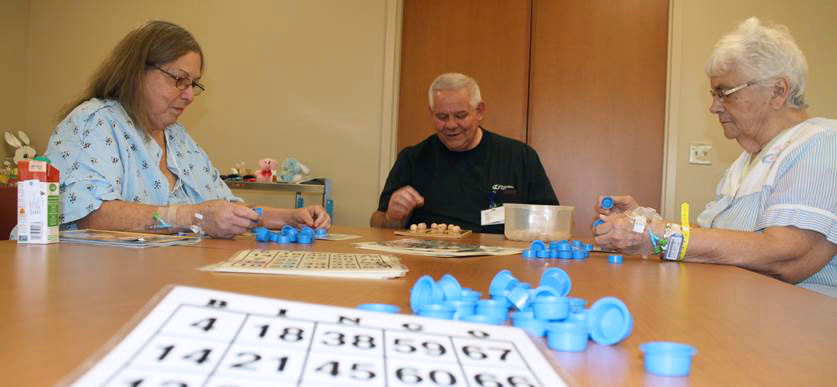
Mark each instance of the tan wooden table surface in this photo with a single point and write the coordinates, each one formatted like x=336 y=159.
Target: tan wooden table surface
x=61 y=303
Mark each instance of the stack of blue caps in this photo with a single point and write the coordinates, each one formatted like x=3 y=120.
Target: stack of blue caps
x=542 y=310
x=289 y=234
x=558 y=249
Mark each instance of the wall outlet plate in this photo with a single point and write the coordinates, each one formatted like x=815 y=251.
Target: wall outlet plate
x=699 y=154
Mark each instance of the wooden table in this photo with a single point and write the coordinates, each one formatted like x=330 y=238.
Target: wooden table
x=61 y=303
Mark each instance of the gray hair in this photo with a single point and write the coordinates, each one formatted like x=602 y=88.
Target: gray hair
x=762 y=52
x=455 y=81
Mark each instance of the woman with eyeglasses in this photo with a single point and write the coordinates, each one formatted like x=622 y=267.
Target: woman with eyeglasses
x=776 y=207
x=125 y=162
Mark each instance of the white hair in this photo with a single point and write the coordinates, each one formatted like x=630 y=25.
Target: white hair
x=762 y=52
x=455 y=81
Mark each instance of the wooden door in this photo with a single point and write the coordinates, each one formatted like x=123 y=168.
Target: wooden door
x=597 y=99
x=486 y=39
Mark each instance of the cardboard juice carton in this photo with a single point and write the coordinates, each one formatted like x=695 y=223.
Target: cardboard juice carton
x=38 y=202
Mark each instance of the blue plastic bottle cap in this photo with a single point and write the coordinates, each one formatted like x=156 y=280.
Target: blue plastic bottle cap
x=551 y=308
x=536 y=245
x=519 y=296
x=262 y=234
x=543 y=253
x=482 y=319
x=588 y=247
x=284 y=239
x=495 y=309
x=274 y=237
x=422 y=292
x=609 y=321
x=529 y=254
x=578 y=254
x=383 y=308
x=614 y=258
x=461 y=308
x=288 y=230
x=259 y=211
x=470 y=295
x=257 y=230
x=554 y=253
x=565 y=254
x=553 y=245
x=450 y=288
x=502 y=282
x=542 y=291
x=578 y=315
x=566 y=336
x=565 y=246
x=577 y=243
x=557 y=279
x=321 y=232
x=439 y=311
x=305 y=239
x=667 y=358
x=607 y=203
x=532 y=326
x=597 y=222
x=306 y=230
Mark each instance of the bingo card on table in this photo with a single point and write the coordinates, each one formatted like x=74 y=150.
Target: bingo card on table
x=199 y=337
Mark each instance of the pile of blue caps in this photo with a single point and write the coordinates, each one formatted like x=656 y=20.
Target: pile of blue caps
x=289 y=234
x=558 y=249
x=544 y=310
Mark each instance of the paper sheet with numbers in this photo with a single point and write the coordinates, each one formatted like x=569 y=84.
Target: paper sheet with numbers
x=317 y=263
x=199 y=337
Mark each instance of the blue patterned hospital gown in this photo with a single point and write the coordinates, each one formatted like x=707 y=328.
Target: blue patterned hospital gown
x=102 y=156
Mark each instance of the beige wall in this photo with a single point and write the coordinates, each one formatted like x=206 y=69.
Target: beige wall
x=13 y=22
x=696 y=26
x=284 y=78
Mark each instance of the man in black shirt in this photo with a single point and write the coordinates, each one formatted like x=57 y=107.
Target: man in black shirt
x=462 y=169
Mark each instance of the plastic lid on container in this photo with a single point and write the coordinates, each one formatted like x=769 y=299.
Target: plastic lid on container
x=607 y=203
x=422 y=292
x=383 y=308
x=557 y=279
x=501 y=283
x=450 y=287
x=609 y=321
x=667 y=358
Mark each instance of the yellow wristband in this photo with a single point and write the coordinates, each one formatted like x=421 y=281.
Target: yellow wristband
x=684 y=219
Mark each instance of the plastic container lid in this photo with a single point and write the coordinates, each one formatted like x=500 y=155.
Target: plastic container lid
x=578 y=254
x=542 y=291
x=501 y=283
x=305 y=238
x=577 y=304
x=259 y=211
x=558 y=279
x=422 y=292
x=537 y=245
x=529 y=254
x=532 y=326
x=306 y=230
x=551 y=308
x=519 y=296
x=262 y=234
x=284 y=239
x=437 y=311
x=383 y=308
x=567 y=336
x=482 y=319
x=470 y=295
x=607 y=203
x=614 y=258
x=609 y=321
x=450 y=287
x=543 y=253
x=667 y=358
x=288 y=230
x=321 y=232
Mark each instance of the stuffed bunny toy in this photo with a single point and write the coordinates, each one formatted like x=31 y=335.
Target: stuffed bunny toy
x=22 y=149
x=267 y=169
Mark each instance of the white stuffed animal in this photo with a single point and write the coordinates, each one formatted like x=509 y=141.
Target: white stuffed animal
x=22 y=149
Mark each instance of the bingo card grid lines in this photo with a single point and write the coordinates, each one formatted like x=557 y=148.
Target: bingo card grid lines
x=220 y=343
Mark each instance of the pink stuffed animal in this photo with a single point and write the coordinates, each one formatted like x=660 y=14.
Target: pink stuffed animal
x=266 y=170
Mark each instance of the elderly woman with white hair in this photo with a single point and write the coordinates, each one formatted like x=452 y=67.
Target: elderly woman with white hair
x=776 y=207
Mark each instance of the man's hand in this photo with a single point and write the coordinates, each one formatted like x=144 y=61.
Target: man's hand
x=313 y=216
x=402 y=202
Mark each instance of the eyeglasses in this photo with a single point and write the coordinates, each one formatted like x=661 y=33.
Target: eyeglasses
x=183 y=82
x=722 y=94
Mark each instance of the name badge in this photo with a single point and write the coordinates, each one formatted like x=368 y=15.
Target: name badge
x=491 y=216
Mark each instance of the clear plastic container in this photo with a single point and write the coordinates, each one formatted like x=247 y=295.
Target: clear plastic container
x=527 y=222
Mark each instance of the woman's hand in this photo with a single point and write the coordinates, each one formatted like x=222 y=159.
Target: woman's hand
x=223 y=219
x=620 y=204
x=617 y=233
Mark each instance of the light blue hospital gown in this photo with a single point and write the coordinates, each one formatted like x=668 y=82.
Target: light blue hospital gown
x=802 y=193
x=102 y=157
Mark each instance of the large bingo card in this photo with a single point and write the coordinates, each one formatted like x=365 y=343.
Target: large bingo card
x=199 y=337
